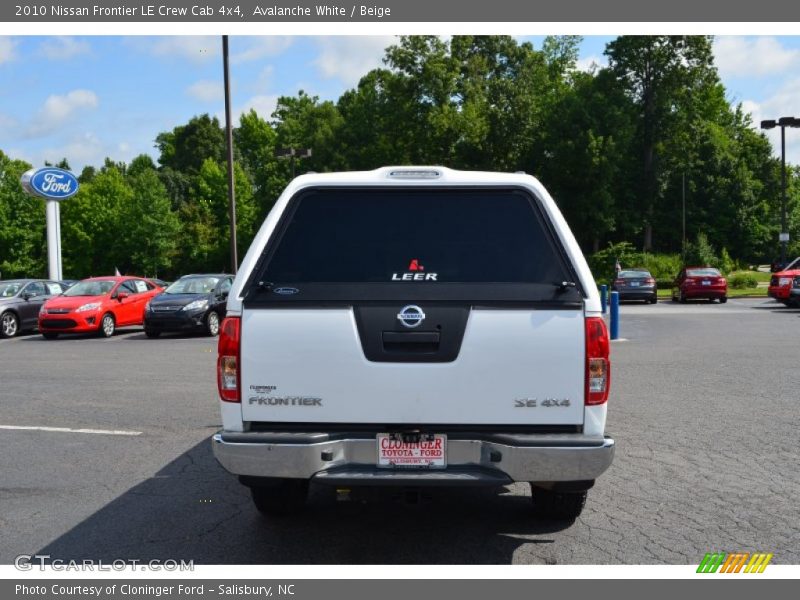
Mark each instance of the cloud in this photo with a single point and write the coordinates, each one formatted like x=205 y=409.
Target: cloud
x=753 y=57
x=7 y=49
x=256 y=48
x=7 y=123
x=590 y=64
x=263 y=104
x=80 y=150
x=206 y=90
x=782 y=103
x=86 y=148
x=348 y=58
x=63 y=48
x=57 y=110
x=194 y=48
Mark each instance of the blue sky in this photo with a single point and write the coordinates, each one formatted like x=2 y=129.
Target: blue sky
x=86 y=98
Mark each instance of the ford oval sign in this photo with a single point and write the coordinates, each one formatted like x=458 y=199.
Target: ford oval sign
x=50 y=182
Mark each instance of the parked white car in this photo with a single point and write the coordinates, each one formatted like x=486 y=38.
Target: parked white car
x=414 y=326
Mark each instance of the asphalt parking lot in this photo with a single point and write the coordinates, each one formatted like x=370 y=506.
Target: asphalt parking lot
x=703 y=408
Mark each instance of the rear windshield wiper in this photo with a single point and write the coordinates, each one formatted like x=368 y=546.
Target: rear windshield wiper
x=264 y=286
x=565 y=285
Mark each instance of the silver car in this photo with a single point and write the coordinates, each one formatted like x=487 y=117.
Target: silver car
x=20 y=301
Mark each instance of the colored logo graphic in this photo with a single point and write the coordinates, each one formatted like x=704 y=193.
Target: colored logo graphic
x=50 y=182
x=415 y=266
x=736 y=562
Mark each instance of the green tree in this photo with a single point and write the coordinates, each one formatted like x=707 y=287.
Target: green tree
x=92 y=225
x=305 y=122
x=256 y=140
x=211 y=195
x=149 y=234
x=661 y=74
x=186 y=147
x=22 y=224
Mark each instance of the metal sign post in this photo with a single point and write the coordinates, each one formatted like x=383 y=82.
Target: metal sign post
x=54 y=185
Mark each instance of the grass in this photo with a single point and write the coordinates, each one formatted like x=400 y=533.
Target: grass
x=765 y=277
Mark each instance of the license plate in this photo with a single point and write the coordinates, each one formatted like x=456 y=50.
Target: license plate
x=634 y=284
x=429 y=452
x=706 y=283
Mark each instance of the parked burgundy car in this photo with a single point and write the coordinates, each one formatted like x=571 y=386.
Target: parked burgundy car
x=698 y=283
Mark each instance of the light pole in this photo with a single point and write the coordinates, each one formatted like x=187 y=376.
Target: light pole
x=291 y=153
x=229 y=140
x=783 y=123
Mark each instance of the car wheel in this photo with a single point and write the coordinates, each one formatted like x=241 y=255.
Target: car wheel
x=280 y=496
x=682 y=298
x=49 y=335
x=9 y=325
x=723 y=300
x=212 y=324
x=151 y=333
x=562 y=506
x=654 y=300
x=107 y=325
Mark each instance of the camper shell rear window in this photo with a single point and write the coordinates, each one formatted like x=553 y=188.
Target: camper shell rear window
x=403 y=239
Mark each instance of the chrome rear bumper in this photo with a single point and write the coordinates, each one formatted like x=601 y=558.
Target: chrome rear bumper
x=341 y=459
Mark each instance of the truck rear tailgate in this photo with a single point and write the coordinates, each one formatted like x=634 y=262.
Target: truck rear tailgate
x=514 y=367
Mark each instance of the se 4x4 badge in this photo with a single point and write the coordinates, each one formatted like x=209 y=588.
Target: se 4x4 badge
x=546 y=402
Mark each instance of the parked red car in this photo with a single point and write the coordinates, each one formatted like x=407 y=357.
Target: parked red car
x=700 y=282
x=782 y=284
x=99 y=304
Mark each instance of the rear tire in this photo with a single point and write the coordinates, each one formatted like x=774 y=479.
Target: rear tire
x=151 y=333
x=212 y=324
x=561 y=506
x=9 y=325
x=654 y=300
x=280 y=497
x=49 y=335
x=682 y=298
x=723 y=300
x=107 y=326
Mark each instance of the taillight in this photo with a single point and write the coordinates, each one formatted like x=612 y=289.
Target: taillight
x=598 y=365
x=650 y=281
x=689 y=280
x=228 y=360
x=619 y=281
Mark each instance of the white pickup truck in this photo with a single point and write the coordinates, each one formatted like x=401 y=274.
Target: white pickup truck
x=414 y=326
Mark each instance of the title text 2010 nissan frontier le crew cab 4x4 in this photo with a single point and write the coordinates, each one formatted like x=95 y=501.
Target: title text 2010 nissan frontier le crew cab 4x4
x=414 y=326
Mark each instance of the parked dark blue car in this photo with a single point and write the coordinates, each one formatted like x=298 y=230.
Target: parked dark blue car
x=192 y=303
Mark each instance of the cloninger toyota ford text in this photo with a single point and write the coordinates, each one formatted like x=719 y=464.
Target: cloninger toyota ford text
x=414 y=326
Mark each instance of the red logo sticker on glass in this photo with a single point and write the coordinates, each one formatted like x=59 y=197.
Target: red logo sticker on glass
x=415 y=266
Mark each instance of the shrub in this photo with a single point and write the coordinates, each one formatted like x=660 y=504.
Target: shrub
x=743 y=281
x=701 y=253
x=661 y=266
x=726 y=263
x=665 y=284
x=602 y=262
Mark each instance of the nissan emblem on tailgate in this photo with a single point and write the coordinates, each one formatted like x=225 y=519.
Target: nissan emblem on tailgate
x=411 y=316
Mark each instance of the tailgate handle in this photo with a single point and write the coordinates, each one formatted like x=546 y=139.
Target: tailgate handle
x=412 y=341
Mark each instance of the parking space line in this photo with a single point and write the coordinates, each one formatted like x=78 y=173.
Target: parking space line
x=70 y=430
